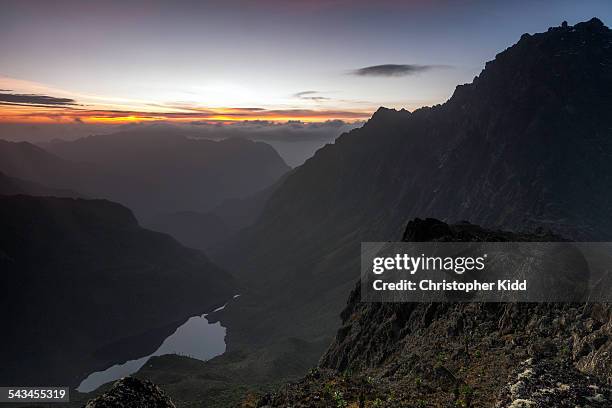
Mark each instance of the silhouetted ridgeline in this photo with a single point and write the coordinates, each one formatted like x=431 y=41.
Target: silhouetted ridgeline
x=86 y=287
x=12 y=186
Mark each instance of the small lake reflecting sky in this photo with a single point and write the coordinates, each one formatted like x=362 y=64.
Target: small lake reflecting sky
x=196 y=338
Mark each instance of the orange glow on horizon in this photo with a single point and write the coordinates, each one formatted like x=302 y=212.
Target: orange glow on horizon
x=41 y=115
x=117 y=119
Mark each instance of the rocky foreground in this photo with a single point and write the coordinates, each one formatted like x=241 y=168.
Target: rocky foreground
x=461 y=355
x=131 y=392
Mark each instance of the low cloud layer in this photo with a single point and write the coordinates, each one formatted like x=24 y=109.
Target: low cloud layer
x=32 y=99
x=291 y=131
x=394 y=70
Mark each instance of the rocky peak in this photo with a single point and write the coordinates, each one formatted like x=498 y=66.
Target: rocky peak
x=419 y=230
x=131 y=392
x=564 y=62
x=431 y=229
x=384 y=115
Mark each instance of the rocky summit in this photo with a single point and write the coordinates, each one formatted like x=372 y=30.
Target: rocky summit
x=132 y=393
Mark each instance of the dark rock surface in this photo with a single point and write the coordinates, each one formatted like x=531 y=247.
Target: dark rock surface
x=550 y=383
x=132 y=393
x=461 y=355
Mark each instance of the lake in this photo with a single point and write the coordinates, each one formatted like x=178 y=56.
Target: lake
x=196 y=338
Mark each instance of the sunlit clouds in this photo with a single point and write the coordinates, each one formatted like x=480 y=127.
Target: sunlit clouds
x=22 y=102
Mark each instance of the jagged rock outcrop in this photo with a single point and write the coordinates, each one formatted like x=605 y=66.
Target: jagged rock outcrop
x=462 y=354
x=131 y=392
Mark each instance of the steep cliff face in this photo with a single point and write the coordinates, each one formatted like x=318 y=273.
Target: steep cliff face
x=86 y=287
x=466 y=355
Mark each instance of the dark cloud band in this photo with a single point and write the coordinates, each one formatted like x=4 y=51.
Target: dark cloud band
x=311 y=96
x=394 y=70
x=31 y=99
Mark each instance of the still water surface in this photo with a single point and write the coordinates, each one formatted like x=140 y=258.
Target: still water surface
x=196 y=338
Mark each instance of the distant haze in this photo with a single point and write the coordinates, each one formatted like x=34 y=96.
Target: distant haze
x=148 y=171
x=294 y=141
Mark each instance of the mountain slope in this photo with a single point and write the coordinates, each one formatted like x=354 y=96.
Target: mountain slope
x=191 y=228
x=29 y=162
x=87 y=287
x=527 y=144
x=11 y=186
x=209 y=230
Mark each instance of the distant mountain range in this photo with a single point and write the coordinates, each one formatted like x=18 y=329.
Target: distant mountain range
x=149 y=172
x=86 y=287
x=526 y=145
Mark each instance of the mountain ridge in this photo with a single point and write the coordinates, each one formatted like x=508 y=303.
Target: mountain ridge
x=527 y=145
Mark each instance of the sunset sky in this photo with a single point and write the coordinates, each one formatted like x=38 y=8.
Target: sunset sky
x=221 y=61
